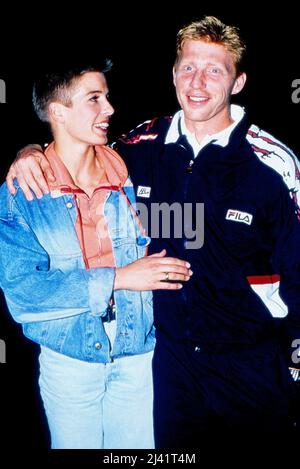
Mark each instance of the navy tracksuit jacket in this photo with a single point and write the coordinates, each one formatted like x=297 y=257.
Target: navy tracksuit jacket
x=246 y=275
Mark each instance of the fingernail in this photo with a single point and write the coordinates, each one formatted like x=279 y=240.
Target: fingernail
x=190 y=272
x=188 y=264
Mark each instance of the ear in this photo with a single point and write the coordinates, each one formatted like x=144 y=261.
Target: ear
x=56 y=112
x=239 y=83
x=174 y=76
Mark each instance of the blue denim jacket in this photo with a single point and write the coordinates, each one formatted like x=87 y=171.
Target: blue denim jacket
x=48 y=289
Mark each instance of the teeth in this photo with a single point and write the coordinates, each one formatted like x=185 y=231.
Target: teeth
x=197 y=100
x=102 y=125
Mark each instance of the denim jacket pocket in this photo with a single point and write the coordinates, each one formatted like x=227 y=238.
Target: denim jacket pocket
x=66 y=263
x=48 y=332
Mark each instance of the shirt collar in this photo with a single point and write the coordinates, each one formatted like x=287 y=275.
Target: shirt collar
x=114 y=167
x=220 y=138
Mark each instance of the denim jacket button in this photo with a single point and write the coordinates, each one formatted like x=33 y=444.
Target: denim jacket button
x=98 y=346
x=69 y=205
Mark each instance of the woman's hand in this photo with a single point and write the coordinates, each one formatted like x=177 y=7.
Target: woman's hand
x=155 y=272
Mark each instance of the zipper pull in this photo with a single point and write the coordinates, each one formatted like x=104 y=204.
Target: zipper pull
x=189 y=169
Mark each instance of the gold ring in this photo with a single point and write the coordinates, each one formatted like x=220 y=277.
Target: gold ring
x=166 y=276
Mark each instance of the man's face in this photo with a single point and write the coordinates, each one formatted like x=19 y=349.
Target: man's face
x=87 y=119
x=205 y=78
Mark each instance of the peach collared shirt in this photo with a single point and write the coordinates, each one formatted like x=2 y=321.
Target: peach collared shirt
x=91 y=225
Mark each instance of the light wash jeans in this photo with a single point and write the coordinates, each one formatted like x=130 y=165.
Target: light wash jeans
x=97 y=405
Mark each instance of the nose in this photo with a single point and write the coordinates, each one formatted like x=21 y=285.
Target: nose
x=108 y=110
x=199 y=79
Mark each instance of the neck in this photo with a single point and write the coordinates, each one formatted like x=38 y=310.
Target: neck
x=81 y=162
x=211 y=126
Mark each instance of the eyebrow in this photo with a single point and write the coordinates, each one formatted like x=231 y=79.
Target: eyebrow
x=93 y=92
x=210 y=63
x=216 y=63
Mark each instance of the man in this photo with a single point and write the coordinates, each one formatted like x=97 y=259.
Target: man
x=224 y=342
x=74 y=272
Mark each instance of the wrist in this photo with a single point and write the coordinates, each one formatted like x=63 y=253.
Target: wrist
x=118 y=279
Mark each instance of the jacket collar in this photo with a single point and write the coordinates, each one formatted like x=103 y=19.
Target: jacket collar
x=178 y=128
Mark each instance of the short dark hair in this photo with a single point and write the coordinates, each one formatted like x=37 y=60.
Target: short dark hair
x=55 y=85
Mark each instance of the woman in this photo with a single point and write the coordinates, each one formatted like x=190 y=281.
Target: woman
x=75 y=273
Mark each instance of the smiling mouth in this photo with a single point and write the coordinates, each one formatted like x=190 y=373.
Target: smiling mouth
x=102 y=125
x=198 y=99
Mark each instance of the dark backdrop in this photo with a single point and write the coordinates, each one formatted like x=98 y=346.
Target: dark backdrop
x=140 y=40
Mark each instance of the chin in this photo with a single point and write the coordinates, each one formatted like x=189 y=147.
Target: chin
x=198 y=115
x=100 y=141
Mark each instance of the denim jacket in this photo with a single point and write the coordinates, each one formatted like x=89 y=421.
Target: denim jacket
x=47 y=287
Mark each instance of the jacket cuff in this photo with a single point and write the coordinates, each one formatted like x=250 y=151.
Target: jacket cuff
x=100 y=288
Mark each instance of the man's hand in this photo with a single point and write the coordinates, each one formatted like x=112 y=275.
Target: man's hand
x=155 y=272
x=31 y=168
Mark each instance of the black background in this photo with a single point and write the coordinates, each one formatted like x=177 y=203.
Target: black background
x=140 y=39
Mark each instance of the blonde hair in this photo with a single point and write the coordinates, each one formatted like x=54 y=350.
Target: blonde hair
x=211 y=29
